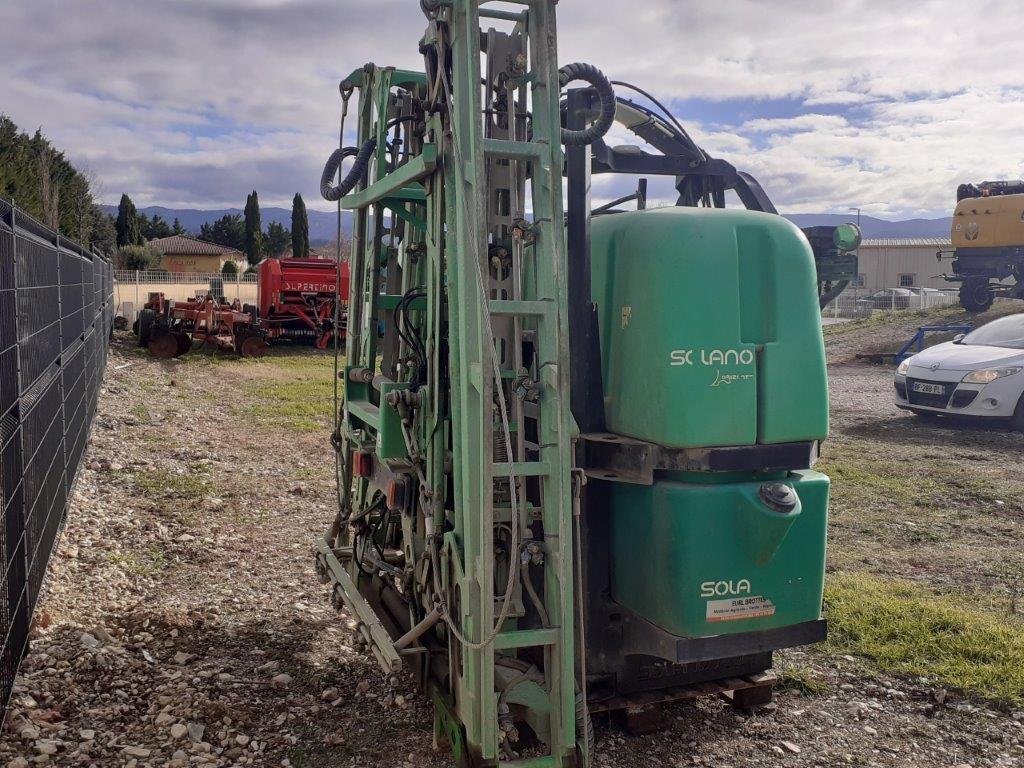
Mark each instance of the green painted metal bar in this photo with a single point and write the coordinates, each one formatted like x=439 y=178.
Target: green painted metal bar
x=420 y=166
x=521 y=469
x=525 y=638
x=519 y=150
x=556 y=424
x=414 y=194
x=382 y=645
x=544 y=761
x=388 y=301
x=494 y=13
x=365 y=412
x=512 y=307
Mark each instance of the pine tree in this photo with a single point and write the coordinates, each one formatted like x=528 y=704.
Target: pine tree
x=128 y=232
x=253 y=229
x=300 y=228
x=176 y=228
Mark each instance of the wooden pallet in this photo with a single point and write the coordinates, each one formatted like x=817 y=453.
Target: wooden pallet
x=640 y=713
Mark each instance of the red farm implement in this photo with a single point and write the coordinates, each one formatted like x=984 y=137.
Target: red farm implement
x=301 y=299
x=170 y=328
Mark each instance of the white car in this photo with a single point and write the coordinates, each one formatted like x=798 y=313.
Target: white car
x=977 y=374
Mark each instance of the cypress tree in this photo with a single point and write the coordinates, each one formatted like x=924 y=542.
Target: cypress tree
x=253 y=229
x=127 y=225
x=300 y=228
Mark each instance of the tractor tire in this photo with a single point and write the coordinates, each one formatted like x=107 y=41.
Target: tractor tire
x=144 y=326
x=975 y=294
x=1017 y=420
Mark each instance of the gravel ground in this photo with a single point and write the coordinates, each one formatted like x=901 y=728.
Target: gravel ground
x=182 y=624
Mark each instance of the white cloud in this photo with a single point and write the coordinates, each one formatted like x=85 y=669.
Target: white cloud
x=193 y=104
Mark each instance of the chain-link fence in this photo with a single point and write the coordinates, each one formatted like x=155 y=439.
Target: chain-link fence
x=56 y=315
x=854 y=303
x=132 y=288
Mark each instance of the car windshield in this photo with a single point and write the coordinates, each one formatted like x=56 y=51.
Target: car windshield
x=1004 y=332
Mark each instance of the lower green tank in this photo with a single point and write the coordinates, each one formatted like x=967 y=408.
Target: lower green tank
x=711 y=336
x=710 y=558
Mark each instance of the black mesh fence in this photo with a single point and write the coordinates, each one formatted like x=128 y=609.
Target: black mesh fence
x=56 y=315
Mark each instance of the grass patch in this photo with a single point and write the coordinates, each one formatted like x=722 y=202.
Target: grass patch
x=906 y=630
x=147 y=562
x=860 y=481
x=800 y=679
x=166 y=484
x=301 y=400
x=300 y=406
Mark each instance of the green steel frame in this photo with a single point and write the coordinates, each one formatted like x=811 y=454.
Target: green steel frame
x=458 y=527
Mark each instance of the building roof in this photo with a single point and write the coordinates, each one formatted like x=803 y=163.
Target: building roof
x=183 y=245
x=905 y=242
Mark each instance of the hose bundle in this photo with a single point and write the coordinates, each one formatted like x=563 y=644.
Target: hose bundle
x=589 y=74
x=358 y=170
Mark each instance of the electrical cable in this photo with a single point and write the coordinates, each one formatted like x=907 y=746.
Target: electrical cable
x=671 y=118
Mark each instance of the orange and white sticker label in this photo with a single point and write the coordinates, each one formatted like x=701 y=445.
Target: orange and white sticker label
x=740 y=608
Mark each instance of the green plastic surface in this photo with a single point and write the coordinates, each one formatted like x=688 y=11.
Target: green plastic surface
x=711 y=559
x=710 y=327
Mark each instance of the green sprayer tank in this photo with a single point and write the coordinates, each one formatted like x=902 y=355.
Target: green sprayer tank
x=711 y=337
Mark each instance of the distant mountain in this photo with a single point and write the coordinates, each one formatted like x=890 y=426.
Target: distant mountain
x=872 y=227
x=322 y=225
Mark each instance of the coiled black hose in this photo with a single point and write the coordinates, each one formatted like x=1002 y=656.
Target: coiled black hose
x=358 y=170
x=605 y=92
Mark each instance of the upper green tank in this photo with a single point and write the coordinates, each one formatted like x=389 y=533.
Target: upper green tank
x=710 y=328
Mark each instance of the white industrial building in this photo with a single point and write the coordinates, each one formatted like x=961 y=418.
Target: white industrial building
x=890 y=262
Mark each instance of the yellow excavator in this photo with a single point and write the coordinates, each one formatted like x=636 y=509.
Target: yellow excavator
x=987 y=234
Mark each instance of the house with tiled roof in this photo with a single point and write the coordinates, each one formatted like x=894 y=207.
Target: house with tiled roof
x=189 y=254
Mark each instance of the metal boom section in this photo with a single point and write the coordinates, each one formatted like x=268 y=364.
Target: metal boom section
x=453 y=544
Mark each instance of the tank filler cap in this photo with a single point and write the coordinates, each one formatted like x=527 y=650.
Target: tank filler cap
x=778 y=496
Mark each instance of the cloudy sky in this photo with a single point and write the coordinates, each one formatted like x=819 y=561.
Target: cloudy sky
x=191 y=103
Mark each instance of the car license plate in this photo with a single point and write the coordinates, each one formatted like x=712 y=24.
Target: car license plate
x=928 y=389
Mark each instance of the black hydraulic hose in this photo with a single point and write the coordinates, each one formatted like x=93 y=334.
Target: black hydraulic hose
x=358 y=170
x=590 y=74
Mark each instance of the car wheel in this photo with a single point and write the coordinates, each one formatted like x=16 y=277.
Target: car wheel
x=975 y=294
x=1017 y=420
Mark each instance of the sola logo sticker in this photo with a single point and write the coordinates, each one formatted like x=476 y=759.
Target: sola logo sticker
x=721 y=588
x=711 y=357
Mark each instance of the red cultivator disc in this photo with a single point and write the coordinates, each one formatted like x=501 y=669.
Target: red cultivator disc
x=253 y=346
x=164 y=346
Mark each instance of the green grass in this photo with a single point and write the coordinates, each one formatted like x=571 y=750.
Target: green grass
x=864 y=478
x=906 y=630
x=146 y=562
x=800 y=679
x=165 y=484
x=300 y=401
